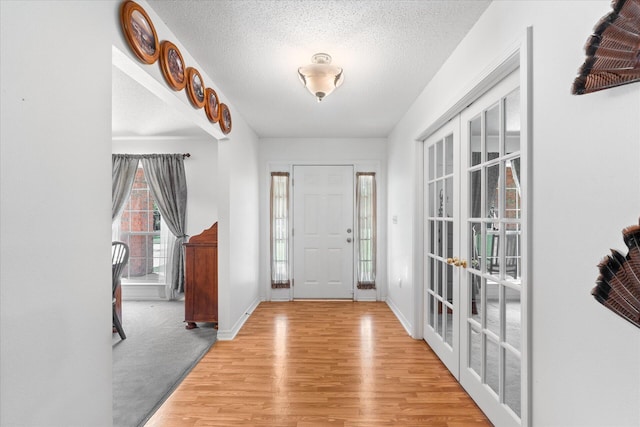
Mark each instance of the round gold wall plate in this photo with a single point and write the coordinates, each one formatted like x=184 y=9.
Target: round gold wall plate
x=172 y=65
x=195 y=88
x=212 y=105
x=139 y=32
x=225 y=119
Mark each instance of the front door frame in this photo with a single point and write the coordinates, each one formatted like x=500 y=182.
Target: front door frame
x=286 y=294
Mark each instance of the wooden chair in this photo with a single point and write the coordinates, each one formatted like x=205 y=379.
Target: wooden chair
x=119 y=258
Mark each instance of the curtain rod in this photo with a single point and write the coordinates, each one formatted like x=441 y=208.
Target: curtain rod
x=186 y=155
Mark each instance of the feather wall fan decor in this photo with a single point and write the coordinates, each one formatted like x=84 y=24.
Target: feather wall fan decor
x=613 y=50
x=618 y=285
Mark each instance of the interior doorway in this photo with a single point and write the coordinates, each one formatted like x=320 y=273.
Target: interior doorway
x=475 y=237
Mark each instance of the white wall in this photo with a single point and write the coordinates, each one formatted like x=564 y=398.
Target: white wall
x=55 y=285
x=201 y=170
x=55 y=216
x=236 y=184
x=279 y=154
x=585 y=188
x=238 y=269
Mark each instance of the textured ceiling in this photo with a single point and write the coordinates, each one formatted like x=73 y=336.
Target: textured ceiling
x=389 y=51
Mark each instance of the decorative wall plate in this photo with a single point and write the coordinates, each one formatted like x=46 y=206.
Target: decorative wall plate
x=212 y=105
x=195 y=87
x=613 y=50
x=172 y=65
x=618 y=284
x=139 y=32
x=225 y=119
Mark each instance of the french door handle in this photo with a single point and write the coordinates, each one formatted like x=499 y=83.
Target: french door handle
x=461 y=263
x=348 y=239
x=457 y=262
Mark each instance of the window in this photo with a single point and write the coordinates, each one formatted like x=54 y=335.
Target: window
x=280 y=230
x=512 y=189
x=366 y=229
x=141 y=227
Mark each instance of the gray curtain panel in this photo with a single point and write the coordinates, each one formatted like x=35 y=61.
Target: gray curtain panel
x=168 y=185
x=515 y=170
x=123 y=172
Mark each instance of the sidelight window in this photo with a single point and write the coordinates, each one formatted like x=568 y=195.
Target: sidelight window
x=366 y=229
x=280 y=277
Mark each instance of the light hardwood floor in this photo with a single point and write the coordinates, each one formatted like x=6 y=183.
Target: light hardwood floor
x=324 y=363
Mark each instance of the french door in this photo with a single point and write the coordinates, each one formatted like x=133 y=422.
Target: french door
x=323 y=236
x=475 y=245
x=442 y=206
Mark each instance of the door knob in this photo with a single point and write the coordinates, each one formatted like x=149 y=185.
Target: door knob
x=460 y=263
x=457 y=262
x=348 y=239
x=348 y=230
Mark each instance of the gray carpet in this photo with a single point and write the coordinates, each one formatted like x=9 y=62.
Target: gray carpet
x=156 y=356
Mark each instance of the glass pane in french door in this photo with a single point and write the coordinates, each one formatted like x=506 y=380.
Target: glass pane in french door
x=492 y=242
x=441 y=234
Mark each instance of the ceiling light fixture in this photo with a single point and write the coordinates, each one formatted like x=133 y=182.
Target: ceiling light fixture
x=320 y=77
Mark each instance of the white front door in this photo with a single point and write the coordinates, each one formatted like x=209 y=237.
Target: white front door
x=323 y=232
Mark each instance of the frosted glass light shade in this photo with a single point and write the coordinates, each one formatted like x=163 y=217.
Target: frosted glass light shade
x=321 y=78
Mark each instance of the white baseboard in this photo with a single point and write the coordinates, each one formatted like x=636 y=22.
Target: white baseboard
x=403 y=320
x=230 y=334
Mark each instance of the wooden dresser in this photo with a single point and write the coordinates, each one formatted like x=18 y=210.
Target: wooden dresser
x=201 y=278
